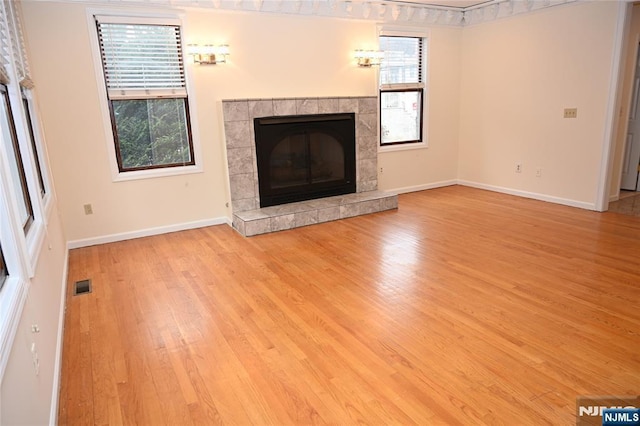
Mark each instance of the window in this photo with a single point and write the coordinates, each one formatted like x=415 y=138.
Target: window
x=3 y=269
x=146 y=90
x=17 y=172
x=401 y=90
x=23 y=221
x=21 y=64
x=32 y=138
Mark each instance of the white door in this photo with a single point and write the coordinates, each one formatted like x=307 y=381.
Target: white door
x=632 y=146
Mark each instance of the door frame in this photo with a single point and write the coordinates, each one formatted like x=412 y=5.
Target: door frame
x=614 y=104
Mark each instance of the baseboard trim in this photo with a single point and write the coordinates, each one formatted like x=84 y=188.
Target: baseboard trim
x=532 y=195
x=57 y=366
x=424 y=187
x=145 y=232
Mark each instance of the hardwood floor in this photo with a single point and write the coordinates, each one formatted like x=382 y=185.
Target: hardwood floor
x=629 y=203
x=462 y=307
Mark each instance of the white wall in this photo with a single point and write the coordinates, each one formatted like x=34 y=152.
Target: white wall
x=496 y=96
x=518 y=76
x=25 y=399
x=437 y=164
x=271 y=56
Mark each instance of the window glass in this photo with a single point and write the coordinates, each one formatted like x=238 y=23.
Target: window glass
x=402 y=61
x=146 y=87
x=152 y=132
x=401 y=115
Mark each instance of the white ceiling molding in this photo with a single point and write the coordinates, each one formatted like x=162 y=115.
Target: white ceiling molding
x=507 y=8
x=395 y=12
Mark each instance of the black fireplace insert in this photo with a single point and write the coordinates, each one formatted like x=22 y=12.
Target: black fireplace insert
x=303 y=157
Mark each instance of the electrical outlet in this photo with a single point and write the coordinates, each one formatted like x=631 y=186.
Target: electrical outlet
x=571 y=113
x=539 y=172
x=381 y=170
x=88 y=209
x=518 y=167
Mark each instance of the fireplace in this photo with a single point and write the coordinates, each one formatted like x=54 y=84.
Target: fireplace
x=248 y=217
x=303 y=157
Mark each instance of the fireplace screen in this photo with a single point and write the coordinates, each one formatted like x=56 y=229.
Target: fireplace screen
x=305 y=157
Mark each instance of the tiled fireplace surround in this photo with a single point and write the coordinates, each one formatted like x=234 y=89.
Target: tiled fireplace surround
x=248 y=218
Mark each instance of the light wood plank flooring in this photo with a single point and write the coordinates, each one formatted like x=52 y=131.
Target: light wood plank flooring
x=629 y=203
x=461 y=307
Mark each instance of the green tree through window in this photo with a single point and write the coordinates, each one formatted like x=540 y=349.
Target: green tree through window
x=152 y=132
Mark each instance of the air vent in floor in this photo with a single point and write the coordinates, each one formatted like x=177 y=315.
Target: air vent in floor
x=82 y=287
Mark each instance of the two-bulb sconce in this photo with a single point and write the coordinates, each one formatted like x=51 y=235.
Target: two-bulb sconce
x=368 y=58
x=208 y=54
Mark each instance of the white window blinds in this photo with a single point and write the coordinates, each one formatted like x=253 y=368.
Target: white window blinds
x=142 y=60
x=402 y=63
x=18 y=44
x=5 y=55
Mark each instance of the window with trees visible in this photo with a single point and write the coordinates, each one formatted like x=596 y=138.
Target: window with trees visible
x=16 y=165
x=146 y=89
x=401 y=90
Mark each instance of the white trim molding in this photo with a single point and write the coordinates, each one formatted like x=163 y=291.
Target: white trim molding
x=57 y=365
x=504 y=9
x=374 y=10
x=146 y=232
x=494 y=188
x=613 y=105
x=426 y=186
x=532 y=195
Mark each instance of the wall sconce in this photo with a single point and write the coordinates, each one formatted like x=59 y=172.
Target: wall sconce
x=208 y=54
x=368 y=58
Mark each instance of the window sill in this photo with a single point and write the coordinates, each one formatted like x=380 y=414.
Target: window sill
x=403 y=147
x=156 y=173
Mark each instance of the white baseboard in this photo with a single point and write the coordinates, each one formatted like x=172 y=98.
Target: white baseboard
x=424 y=187
x=532 y=195
x=57 y=366
x=145 y=232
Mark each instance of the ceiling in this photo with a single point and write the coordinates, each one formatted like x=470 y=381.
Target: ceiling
x=459 y=4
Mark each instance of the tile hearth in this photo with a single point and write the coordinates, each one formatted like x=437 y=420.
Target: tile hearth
x=295 y=215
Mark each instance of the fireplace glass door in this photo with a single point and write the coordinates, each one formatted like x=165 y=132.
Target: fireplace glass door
x=305 y=157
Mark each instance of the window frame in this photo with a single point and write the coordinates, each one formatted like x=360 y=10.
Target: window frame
x=20 y=253
x=422 y=87
x=36 y=147
x=19 y=159
x=20 y=248
x=116 y=138
x=117 y=174
x=421 y=109
x=14 y=289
